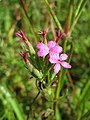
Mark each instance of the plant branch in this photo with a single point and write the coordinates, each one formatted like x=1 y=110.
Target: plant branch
x=28 y=20
x=69 y=17
x=57 y=93
x=53 y=15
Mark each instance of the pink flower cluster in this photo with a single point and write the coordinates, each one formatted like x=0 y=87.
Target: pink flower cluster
x=55 y=56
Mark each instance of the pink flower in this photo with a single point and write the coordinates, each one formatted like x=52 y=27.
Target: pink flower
x=43 y=49
x=21 y=35
x=59 y=61
x=52 y=49
x=59 y=36
x=24 y=56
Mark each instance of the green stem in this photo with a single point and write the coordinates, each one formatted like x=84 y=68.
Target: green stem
x=57 y=93
x=28 y=21
x=69 y=17
x=31 y=49
x=12 y=101
x=59 y=86
x=53 y=15
x=59 y=7
x=60 y=81
x=68 y=22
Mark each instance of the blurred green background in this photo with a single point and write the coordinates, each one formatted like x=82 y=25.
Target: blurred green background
x=12 y=69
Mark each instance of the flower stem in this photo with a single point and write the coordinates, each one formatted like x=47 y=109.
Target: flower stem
x=59 y=86
x=57 y=93
x=28 y=20
x=58 y=7
x=53 y=15
x=60 y=81
x=69 y=17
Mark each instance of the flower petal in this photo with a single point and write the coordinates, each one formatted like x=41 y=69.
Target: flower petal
x=43 y=53
x=41 y=46
x=53 y=57
x=52 y=60
x=51 y=44
x=63 y=57
x=43 y=49
x=65 y=64
x=57 y=68
x=57 y=49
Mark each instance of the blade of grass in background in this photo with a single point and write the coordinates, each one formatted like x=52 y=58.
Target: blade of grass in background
x=78 y=12
x=12 y=101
